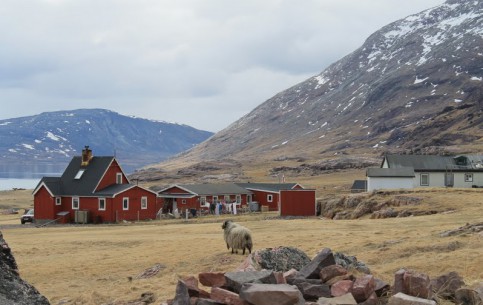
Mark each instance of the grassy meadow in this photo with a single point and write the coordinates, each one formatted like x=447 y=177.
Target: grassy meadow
x=98 y=264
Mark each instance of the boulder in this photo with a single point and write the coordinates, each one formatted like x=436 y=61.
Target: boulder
x=312 y=292
x=445 y=286
x=412 y=283
x=341 y=288
x=224 y=296
x=212 y=279
x=323 y=259
x=331 y=271
x=404 y=299
x=13 y=289
x=235 y=280
x=268 y=294
x=346 y=299
x=182 y=296
x=470 y=295
x=363 y=288
x=350 y=263
x=280 y=259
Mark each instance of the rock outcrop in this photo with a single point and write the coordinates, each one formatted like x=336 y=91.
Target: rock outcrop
x=14 y=290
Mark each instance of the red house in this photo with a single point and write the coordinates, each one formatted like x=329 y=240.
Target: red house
x=92 y=189
x=290 y=199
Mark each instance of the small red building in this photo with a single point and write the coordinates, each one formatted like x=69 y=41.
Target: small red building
x=290 y=199
x=92 y=189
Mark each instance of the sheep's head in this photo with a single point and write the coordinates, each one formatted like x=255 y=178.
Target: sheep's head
x=225 y=224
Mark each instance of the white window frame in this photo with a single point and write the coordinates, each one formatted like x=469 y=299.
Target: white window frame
x=468 y=177
x=426 y=175
x=125 y=203
x=238 y=199
x=118 y=178
x=99 y=204
x=58 y=201
x=203 y=201
x=75 y=203
x=227 y=198
x=144 y=203
x=183 y=201
x=269 y=198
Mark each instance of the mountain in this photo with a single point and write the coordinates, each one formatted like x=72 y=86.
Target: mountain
x=414 y=86
x=55 y=137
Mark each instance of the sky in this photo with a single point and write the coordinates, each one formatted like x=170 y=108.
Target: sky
x=202 y=63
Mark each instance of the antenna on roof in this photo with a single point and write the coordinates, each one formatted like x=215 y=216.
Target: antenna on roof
x=114 y=152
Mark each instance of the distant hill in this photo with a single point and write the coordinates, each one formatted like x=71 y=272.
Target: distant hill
x=414 y=86
x=55 y=137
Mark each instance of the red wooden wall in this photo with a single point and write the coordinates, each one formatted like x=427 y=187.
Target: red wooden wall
x=297 y=203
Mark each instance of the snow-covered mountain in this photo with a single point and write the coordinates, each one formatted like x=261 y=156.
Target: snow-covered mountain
x=55 y=137
x=414 y=85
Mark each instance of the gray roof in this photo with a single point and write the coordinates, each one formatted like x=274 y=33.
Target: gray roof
x=359 y=185
x=400 y=172
x=269 y=187
x=214 y=189
x=67 y=185
x=436 y=163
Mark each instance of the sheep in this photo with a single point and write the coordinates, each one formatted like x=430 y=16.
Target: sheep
x=237 y=237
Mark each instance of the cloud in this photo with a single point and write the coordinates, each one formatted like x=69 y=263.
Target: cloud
x=175 y=60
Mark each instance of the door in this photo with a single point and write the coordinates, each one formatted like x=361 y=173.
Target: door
x=449 y=179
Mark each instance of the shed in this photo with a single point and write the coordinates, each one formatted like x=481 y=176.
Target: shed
x=389 y=178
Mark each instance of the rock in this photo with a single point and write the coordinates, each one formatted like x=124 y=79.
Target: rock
x=371 y=300
x=341 y=287
x=350 y=263
x=331 y=271
x=192 y=284
x=445 y=286
x=336 y=279
x=13 y=289
x=182 y=296
x=266 y=294
x=312 y=292
x=235 y=280
x=470 y=295
x=363 y=288
x=203 y=301
x=323 y=259
x=224 y=296
x=404 y=299
x=346 y=299
x=381 y=288
x=412 y=283
x=212 y=279
x=277 y=259
x=417 y=284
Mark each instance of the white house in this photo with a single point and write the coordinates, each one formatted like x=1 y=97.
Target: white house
x=427 y=171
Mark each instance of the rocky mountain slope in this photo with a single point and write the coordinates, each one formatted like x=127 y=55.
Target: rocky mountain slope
x=55 y=137
x=415 y=85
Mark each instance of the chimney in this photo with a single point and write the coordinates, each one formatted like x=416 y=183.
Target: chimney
x=86 y=156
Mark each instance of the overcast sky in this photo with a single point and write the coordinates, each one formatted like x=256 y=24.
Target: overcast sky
x=203 y=63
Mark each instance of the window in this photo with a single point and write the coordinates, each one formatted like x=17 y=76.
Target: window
x=75 y=203
x=144 y=203
x=468 y=177
x=269 y=198
x=58 y=201
x=125 y=203
x=424 y=179
x=119 y=178
x=183 y=201
x=102 y=204
x=238 y=198
x=79 y=174
x=203 y=201
x=215 y=199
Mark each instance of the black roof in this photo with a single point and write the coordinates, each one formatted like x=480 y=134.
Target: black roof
x=86 y=183
x=359 y=185
x=213 y=189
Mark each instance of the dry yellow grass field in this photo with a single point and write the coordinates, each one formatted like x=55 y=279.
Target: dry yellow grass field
x=98 y=264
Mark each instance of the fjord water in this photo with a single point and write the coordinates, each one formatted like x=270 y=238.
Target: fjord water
x=26 y=175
